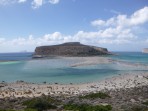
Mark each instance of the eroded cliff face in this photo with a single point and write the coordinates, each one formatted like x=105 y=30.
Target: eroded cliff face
x=69 y=49
x=145 y=50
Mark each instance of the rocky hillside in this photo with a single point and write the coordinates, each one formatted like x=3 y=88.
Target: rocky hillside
x=133 y=99
x=69 y=49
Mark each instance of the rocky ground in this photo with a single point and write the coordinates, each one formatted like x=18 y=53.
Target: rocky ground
x=129 y=99
x=119 y=93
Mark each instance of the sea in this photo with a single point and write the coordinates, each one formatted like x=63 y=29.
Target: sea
x=21 y=66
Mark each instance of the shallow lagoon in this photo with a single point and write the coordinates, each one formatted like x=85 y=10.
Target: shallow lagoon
x=59 y=70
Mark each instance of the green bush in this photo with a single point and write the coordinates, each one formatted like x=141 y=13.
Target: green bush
x=145 y=103
x=139 y=108
x=87 y=107
x=29 y=109
x=95 y=95
x=38 y=104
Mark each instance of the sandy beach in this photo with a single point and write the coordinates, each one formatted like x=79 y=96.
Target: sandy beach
x=24 y=89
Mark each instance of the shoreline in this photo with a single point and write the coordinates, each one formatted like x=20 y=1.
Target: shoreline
x=29 y=90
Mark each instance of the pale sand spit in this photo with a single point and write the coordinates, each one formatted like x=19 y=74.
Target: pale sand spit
x=85 y=61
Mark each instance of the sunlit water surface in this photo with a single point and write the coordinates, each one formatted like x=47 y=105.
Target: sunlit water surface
x=21 y=66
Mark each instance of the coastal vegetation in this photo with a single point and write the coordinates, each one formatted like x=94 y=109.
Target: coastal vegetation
x=41 y=103
x=145 y=103
x=133 y=99
x=100 y=95
x=138 y=108
x=123 y=99
x=86 y=107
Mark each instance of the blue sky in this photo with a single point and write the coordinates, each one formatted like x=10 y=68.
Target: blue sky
x=119 y=25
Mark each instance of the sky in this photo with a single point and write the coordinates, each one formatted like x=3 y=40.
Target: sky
x=118 y=25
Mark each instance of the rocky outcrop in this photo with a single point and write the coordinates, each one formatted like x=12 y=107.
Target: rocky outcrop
x=145 y=50
x=69 y=49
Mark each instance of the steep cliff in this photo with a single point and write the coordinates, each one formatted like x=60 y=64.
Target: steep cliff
x=145 y=50
x=69 y=49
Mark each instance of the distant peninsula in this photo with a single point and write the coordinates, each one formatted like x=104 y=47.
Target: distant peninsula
x=145 y=50
x=75 y=49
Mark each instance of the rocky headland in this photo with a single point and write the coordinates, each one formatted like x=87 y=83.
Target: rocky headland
x=74 y=49
x=145 y=50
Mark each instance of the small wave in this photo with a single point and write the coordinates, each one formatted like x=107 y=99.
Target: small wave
x=9 y=62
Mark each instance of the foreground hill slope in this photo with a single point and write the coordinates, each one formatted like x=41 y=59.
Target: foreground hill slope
x=69 y=49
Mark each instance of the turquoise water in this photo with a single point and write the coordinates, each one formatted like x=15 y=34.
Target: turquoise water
x=20 y=66
x=135 y=57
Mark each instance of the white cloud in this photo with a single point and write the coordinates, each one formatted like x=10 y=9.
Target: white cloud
x=99 y=38
x=37 y=3
x=137 y=18
x=57 y=37
x=21 y=1
x=98 y=23
x=121 y=29
x=114 y=31
x=7 y=2
x=54 y=1
x=2 y=40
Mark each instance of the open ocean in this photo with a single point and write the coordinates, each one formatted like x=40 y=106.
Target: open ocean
x=21 y=66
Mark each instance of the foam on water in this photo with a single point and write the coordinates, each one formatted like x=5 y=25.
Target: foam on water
x=9 y=62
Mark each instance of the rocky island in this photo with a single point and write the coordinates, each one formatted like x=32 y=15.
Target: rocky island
x=75 y=49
